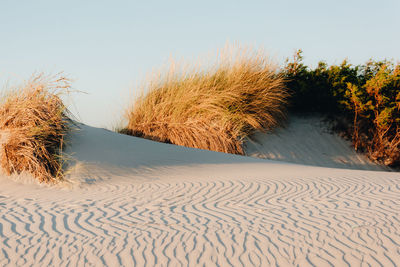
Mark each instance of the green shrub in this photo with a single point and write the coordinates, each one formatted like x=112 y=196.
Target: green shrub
x=365 y=97
x=319 y=90
x=376 y=108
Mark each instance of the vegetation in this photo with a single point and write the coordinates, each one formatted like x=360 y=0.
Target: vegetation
x=33 y=123
x=213 y=108
x=363 y=100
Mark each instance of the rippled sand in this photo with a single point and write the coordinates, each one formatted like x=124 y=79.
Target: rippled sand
x=130 y=202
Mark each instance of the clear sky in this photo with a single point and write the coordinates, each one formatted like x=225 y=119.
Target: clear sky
x=107 y=47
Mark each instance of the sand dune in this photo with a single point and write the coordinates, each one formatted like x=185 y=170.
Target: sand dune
x=130 y=201
x=308 y=140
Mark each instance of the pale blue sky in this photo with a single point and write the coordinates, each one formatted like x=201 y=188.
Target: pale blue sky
x=107 y=47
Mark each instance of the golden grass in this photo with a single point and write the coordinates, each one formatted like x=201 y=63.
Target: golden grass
x=33 y=123
x=212 y=108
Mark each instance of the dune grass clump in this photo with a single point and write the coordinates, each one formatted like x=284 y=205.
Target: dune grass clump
x=214 y=107
x=33 y=123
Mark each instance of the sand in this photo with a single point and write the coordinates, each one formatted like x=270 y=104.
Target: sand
x=130 y=201
x=308 y=140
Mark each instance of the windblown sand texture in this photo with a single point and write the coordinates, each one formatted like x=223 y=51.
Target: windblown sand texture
x=135 y=202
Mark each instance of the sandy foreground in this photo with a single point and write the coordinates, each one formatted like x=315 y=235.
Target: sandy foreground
x=129 y=201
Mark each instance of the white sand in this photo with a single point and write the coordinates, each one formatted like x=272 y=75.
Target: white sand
x=131 y=202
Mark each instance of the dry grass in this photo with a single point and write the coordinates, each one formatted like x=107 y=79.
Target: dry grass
x=212 y=108
x=33 y=123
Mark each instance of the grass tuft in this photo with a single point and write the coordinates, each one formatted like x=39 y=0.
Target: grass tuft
x=212 y=108
x=33 y=123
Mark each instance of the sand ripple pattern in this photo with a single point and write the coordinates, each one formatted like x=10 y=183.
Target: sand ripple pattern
x=346 y=220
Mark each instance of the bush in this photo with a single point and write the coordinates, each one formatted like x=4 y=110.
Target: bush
x=365 y=97
x=376 y=108
x=319 y=90
x=33 y=123
x=211 y=109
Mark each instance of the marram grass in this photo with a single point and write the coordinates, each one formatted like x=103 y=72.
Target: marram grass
x=212 y=108
x=33 y=123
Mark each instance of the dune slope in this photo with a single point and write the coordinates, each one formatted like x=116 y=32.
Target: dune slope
x=130 y=201
x=308 y=140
